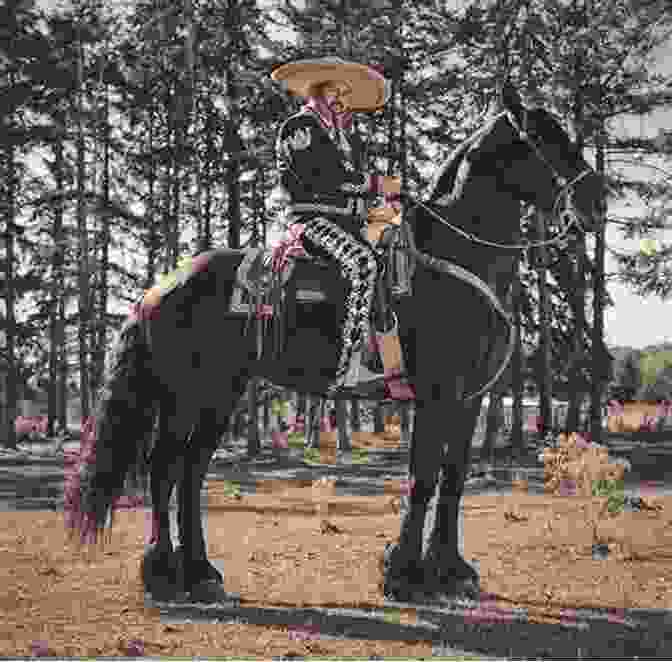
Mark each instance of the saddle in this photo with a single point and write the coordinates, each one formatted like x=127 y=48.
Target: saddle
x=271 y=283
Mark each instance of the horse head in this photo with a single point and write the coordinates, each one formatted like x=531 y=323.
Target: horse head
x=538 y=160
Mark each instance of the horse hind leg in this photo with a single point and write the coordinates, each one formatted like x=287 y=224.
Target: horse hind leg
x=445 y=568
x=160 y=568
x=203 y=582
x=404 y=577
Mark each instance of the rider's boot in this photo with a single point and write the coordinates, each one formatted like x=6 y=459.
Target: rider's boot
x=397 y=386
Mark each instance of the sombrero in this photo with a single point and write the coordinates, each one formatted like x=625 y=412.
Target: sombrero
x=370 y=89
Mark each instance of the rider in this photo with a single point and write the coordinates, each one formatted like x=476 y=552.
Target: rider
x=319 y=164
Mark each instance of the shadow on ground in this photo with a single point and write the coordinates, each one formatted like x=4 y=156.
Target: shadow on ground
x=460 y=629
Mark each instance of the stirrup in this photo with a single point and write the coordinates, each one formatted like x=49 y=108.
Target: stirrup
x=373 y=390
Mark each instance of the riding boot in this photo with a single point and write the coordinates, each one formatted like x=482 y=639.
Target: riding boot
x=390 y=351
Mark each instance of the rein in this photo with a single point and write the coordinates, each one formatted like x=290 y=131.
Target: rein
x=567 y=218
x=449 y=268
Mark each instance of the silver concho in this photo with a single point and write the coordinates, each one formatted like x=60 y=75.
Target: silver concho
x=300 y=139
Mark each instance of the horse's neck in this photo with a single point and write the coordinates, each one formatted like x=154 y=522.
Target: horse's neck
x=485 y=212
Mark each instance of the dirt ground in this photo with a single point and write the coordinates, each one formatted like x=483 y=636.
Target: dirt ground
x=304 y=546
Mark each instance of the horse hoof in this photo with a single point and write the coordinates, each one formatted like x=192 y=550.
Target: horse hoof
x=403 y=577
x=197 y=571
x=450 y=590
x=160 y=574
x=211 y=591
x=451 y=580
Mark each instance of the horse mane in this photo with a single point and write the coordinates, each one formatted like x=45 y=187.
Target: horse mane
x=449 y=180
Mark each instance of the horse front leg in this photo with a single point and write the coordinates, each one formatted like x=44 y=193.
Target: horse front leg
x=403 y=569
x=445 y=568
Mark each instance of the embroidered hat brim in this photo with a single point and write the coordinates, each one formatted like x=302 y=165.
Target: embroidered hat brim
x=370 y=89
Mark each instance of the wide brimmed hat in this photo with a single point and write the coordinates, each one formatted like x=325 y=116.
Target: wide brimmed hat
x=370 y=89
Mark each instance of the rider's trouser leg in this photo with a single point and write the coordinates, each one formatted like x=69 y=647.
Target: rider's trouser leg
x=359 y=266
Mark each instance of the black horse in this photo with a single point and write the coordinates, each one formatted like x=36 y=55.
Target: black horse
x=200 y=361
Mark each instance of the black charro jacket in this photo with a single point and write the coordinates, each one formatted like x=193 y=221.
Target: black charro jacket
x=320 y=175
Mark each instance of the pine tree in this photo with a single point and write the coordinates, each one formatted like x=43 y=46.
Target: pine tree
x=25 y=74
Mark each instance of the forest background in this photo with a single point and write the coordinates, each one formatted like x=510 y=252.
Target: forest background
x=137 y=133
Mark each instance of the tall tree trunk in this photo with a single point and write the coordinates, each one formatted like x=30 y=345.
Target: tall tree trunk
x=301 y=405
x=598 y=359
x=63 y=367
x=544 y=363
x=104 y=264
x=262 y=208
x=405 y=415
x=355 y=416
x=233 y=139
x=266 y=407
x=176 y=201
x=84 y=303
x=379 y=418
x=167 y=187
x=494 y=420
x=253 y=442
x=578 y=297
x=206 y=229
x=342 y=426
x=9 y=203
x=517 y=382
x=56 y=322
x=153 y=248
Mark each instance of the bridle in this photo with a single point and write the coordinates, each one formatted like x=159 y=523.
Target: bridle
x=567 y=218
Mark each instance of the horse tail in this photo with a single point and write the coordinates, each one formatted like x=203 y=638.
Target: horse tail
x=115 y=443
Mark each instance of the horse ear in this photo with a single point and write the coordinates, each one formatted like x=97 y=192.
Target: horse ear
x=510 y=98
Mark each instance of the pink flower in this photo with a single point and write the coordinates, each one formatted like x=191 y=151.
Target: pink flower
x=129 y=501
x=617 y=615
x=306 y=632
x=648 y=423
x=567 y=487
x=534 y=423
x=22 y=425
x=407 y=486
x=615 y=409
x=326 y=424
x=39 y=648
x=297 y=425
x=583 y=440
x=135 y=648
x=279 y=440
x=264 y=311
x=648 y=489
x=200 y=262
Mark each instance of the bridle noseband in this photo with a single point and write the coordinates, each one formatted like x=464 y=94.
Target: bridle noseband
x=566 y=218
